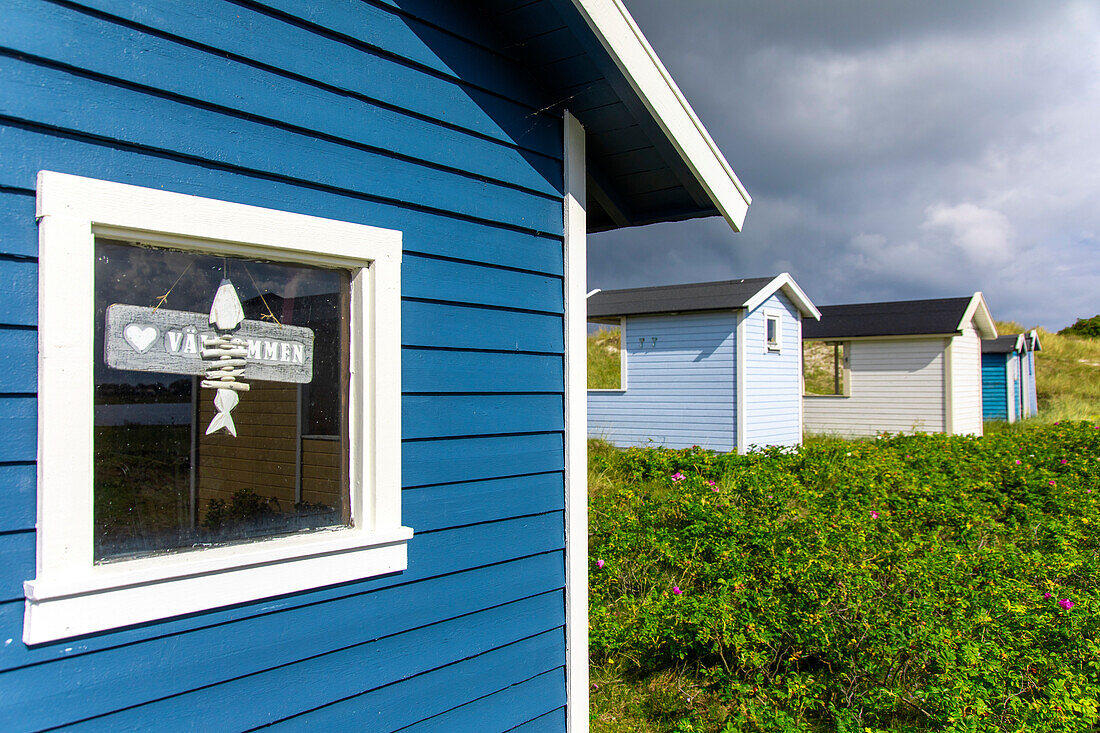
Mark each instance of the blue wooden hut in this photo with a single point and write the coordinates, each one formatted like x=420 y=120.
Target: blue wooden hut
x=715 y=364
x=1008 y=377
x=294 y=297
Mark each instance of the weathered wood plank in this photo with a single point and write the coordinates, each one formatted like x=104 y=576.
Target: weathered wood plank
x=412 y=700
x=18 y=229
x=343 y=666
x=29 y=151
x=61 y=33
x=18 y=496
x=441 y=507
x=464 y=327
x=427 y=370
x=19 y=416
x=459 y=282
x=37 y=94
x=425 y=462
x=287 y=46
x=503 y=710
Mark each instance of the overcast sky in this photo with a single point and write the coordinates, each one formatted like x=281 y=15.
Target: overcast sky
x=893 y=150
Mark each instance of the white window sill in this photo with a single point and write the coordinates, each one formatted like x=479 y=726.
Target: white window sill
x=114 y=595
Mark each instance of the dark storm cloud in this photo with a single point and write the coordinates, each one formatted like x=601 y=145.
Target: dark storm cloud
x=893 y=150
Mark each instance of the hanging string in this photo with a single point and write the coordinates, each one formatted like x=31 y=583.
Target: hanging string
x=162 y=299
x=269 y=316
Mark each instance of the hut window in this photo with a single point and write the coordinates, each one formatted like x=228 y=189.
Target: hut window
x=772 y=331
x=606 y=354
x=825 y=368
x=163 y=480
x=218 y=408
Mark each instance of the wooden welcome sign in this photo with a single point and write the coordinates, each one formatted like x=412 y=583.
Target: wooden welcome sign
x=221 y=347
x=158 y=340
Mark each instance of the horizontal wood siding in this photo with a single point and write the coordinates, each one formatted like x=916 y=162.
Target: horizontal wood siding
x=897 y=386
x=773 y=380
x=997 y=397
x=361 y=112
x=679 y=389
x=966 y=367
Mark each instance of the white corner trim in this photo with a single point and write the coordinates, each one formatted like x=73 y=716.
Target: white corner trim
x=948 y=388
x=623 y=40
x=741 y=367
x=801 y=381
x=71 y=594
x=576 y=428
x=783 y=281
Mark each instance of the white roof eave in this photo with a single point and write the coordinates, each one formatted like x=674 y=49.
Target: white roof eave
x=623 y=40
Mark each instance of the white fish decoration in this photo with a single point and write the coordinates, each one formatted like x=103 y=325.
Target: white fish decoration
x=226 y=312
x=225 y=400
x=227 y=357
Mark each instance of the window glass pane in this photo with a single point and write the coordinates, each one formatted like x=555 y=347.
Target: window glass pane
x=162 y=481
x=773 y=329
x=604 y=356
x=823 y=368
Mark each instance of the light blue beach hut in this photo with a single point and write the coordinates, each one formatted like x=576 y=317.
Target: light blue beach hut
x=715 y=364
x=1008 y=377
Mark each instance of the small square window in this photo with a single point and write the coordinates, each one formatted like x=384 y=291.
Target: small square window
x=772 y=333
x=219 y=405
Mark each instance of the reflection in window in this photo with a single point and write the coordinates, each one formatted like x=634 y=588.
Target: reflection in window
x=825 y=368
x=605 y=354
x=161 y=482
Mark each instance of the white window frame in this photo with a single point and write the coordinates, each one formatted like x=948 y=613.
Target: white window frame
x=777 y=346
x=71 y=595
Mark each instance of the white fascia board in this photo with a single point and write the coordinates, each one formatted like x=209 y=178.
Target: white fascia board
x=620 y=36
x=978 y=312
x=783 y=281
x=1033 y=337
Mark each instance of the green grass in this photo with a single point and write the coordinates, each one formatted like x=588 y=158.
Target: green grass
x=1067 y=376
x=604 y=366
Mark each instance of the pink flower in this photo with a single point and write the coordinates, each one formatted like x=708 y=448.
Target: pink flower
x=600 y=563
x=710 y=483
x=874 y=515
x=1066 y=603
x=1088 y=491
x=1048 y=595
x=1052 y=482
x=1019 y=462
x=676 y=591
x=769 y=496
x=1064 y=461
x=677 y=476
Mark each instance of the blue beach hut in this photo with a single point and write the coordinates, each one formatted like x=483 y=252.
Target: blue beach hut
x=715 y=364
x=1008 y=377
x=294 y=406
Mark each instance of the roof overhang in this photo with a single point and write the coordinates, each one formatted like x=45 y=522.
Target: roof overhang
x=978 y=313
x=636 y=60
x=649 y=158
x=783 y=281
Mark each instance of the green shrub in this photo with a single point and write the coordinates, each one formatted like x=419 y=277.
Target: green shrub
x=908 y=583
x=1088 y=327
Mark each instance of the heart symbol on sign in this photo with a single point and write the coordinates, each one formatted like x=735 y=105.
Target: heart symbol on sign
x=140 y=337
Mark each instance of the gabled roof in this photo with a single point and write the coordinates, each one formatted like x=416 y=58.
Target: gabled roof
x=939 y=316
x=1004 y=344
x=722 y=295
x=649 y=157
x=1033 y=340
